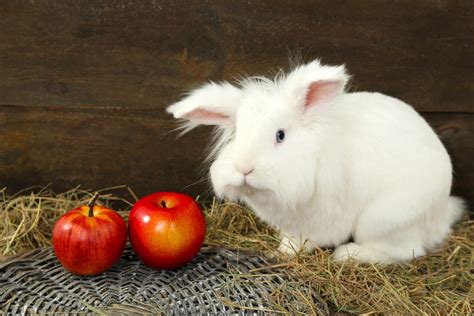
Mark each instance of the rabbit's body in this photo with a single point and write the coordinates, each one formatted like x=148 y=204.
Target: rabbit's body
x=354 y=164
x=384 y=176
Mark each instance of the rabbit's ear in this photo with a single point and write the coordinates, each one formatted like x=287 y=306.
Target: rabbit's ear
x=315 y=84
x=323 y=91
x=212 y=104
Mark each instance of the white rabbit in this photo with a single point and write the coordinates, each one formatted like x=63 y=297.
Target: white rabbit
x=323 y=165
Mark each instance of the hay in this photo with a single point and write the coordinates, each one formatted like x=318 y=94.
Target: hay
x=439 y=283
x=27 y=217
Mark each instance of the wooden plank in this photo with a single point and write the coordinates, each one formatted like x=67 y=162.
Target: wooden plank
x=96 y=149
x=101 y=148
x=457 y=133
x=142 y=54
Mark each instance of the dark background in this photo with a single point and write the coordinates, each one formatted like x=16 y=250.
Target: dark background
x=84 y=84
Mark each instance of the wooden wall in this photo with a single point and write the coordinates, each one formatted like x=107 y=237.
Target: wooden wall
x=83 y=84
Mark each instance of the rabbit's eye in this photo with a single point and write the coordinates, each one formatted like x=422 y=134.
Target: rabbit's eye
x=280 y=136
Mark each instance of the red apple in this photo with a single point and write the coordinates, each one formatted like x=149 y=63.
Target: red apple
x=88 y=240
x=166 y=229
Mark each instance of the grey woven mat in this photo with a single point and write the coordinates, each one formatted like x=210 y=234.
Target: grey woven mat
x=217 y=281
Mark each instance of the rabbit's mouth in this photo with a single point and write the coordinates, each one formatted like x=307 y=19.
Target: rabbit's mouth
x=244 y=189
x=246 y=193
x=251 y=191
x=247 y=188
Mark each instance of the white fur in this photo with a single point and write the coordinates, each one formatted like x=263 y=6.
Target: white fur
x=362 y=164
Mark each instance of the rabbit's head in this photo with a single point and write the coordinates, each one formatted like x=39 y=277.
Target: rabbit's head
x=269 y=131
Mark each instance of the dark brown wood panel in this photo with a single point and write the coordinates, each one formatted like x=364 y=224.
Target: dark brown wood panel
x=143 y=53
x=457 y=133
x=100 y=148
x=97 y=149
x=83 y=84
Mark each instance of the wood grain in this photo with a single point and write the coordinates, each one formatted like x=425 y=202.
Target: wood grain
x=83 y=84
x=143 y=54
x=97 y=149
x=457 y=134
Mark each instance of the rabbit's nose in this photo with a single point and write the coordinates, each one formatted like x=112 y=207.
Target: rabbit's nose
x=245 y=170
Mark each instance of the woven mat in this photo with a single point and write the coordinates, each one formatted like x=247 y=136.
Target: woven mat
x=217 y=281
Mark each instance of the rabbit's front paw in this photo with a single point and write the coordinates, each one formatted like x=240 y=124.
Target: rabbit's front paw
x=291 y=246
x=360 y=253
x=347 y=251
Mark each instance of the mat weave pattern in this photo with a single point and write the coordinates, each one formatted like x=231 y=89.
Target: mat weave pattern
x=37 y=283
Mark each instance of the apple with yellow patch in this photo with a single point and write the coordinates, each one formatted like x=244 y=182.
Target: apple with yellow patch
x=166 y=229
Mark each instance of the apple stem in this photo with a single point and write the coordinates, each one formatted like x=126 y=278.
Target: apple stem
x=163 y=204
x=91 y=204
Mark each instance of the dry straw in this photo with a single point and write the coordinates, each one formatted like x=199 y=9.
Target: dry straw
x=27 y=217
x=440 y=283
